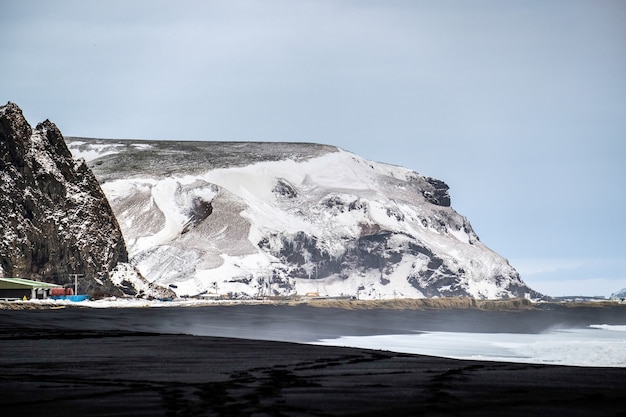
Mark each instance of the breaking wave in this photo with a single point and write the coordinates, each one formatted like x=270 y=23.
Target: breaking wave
x=598 y=345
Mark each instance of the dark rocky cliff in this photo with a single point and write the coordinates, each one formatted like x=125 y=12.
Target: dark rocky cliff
x=56 y=220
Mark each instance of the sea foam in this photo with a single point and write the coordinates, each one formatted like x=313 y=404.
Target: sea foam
x=597 y=345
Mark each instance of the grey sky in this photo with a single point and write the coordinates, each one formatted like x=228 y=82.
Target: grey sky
x=520 y=106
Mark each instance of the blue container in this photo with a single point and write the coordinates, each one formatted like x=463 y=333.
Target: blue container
x=78 y=297
x=75 y=298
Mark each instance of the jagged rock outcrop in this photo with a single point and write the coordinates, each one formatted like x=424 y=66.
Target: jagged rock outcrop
x=438 y=194
x=56 y=220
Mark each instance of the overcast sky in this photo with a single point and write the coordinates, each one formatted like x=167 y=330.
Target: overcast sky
x=520 y=106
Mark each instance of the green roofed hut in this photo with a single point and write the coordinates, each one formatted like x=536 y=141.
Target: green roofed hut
x=18 y=288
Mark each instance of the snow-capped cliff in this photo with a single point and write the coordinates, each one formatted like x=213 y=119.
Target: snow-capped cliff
x=269 y=219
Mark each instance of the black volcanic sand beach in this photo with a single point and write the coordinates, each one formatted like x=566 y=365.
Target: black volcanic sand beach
x=129 y=362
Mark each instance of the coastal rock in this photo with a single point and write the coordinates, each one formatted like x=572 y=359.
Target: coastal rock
x=56 y=219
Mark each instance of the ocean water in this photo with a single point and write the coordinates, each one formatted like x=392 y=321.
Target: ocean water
x=546 y=334
x=595 y=345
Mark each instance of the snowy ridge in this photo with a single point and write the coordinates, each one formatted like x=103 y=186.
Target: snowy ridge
x=251 y=220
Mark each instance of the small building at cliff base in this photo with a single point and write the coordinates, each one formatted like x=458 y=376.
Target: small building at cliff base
x=18 y=288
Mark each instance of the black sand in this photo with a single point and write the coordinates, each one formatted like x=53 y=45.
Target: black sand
x=90 y=363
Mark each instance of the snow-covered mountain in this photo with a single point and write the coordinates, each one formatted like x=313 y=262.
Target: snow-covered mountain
x=619 y=295
x=250 y=219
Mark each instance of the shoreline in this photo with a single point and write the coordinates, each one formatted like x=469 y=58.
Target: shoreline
x=391 y=304
x=365 y=327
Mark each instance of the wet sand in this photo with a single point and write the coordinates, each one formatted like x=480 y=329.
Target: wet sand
x=55 y=368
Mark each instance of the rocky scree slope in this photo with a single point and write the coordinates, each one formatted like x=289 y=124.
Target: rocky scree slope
x=252 y=219
x=56 y=220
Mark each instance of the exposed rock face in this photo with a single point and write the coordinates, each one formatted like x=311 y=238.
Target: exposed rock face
x=438 y=194
x=56 y=220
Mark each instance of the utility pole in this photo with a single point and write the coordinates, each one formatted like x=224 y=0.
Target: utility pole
x=76 y=276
